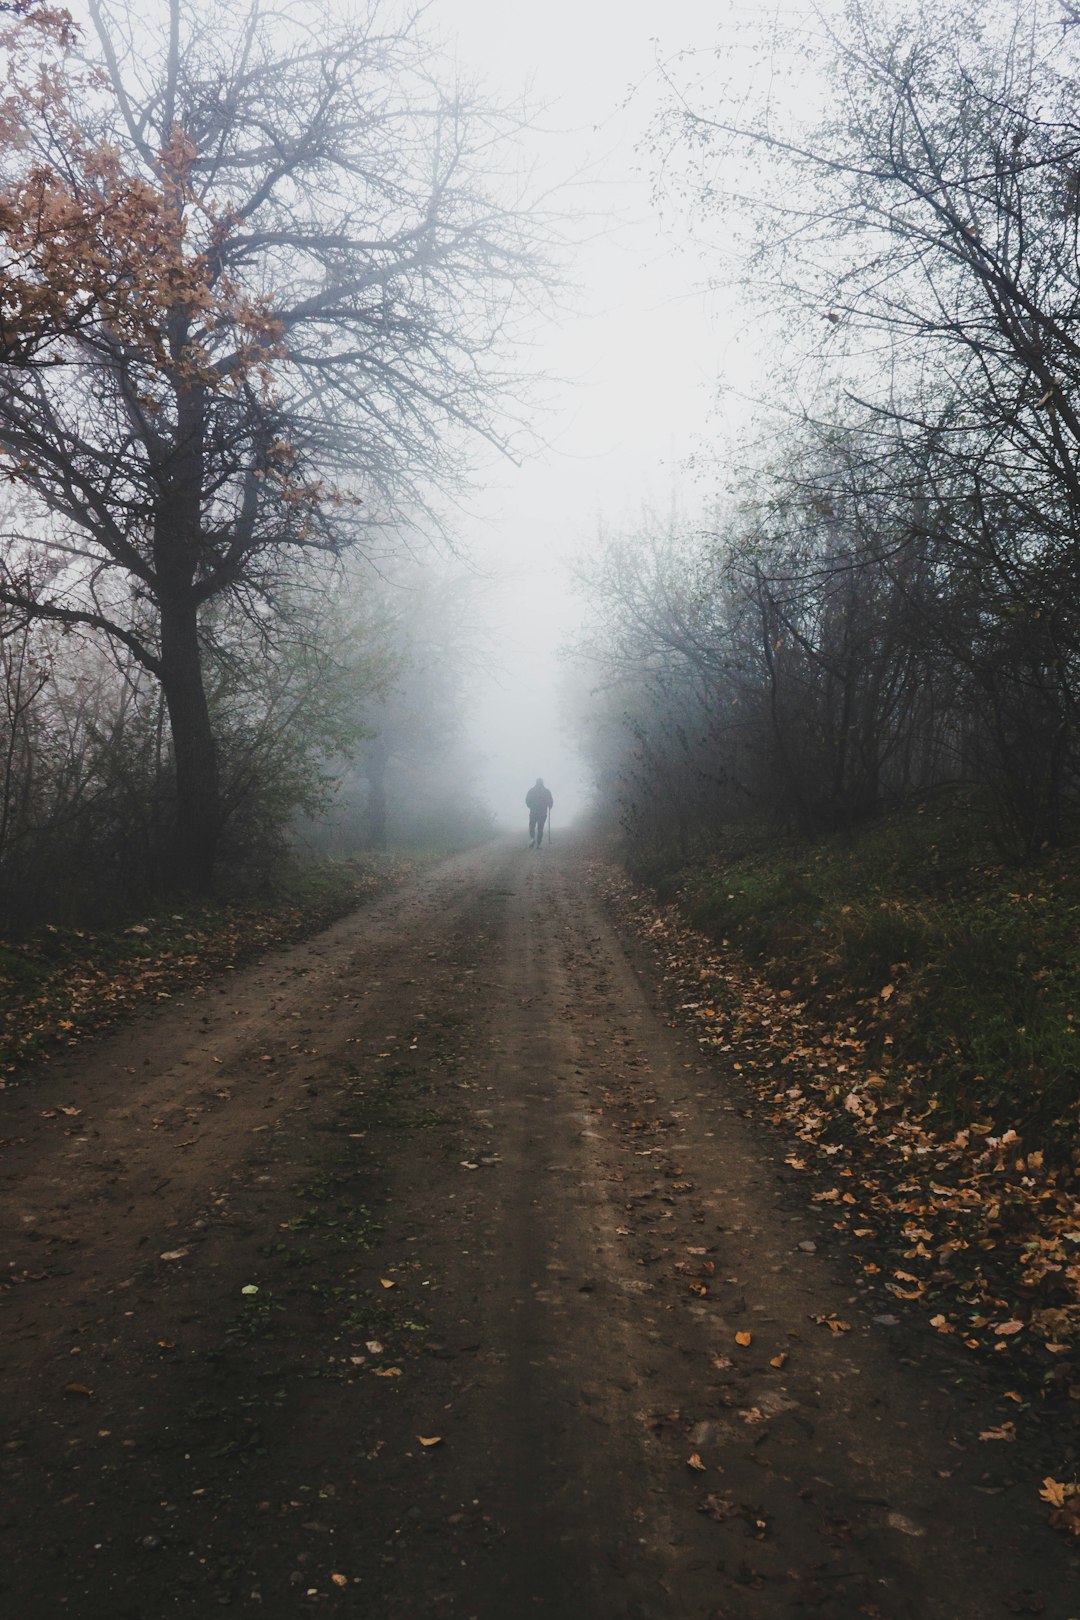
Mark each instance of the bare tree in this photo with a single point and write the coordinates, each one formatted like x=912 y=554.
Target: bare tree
x=914 y=219
x=320 y=266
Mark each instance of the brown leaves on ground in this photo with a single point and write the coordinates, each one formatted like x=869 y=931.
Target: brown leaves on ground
x=977 y=1220
x=834 y=1323
x=1064 y=1501
x=972 y=1224
x=62 y=985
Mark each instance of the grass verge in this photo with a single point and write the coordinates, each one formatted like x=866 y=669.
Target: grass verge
x=955 y=968
x=60 y=985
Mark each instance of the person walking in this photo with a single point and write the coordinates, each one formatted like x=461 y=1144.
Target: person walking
x=539 y=801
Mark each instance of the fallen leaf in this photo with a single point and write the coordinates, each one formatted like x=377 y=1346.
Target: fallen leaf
x=373 y=1347
x=177 y=1254
x=743 y=1338
x=778 y=1361
x=833 y=1322
x=250 y=1288
x=694 y=1461
x=340 y=1580
x=387 y=1372
x=1004 y=1329
x=1005 y=1431
x=387 y=1283
x=78 y=1389
x=718 y=1508
x=430 y=1439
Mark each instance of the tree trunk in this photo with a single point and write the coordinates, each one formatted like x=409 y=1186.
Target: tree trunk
x=198 y=800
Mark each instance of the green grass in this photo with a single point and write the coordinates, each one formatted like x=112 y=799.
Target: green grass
x=984 y=955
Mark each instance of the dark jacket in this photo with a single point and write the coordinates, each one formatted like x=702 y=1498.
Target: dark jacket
x=539 y=799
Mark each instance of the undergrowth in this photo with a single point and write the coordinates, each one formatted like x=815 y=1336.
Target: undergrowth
x=953 y=961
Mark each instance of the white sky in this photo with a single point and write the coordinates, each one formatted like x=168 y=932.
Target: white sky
x=640 y=362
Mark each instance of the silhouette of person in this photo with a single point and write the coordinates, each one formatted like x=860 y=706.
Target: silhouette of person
x=539 y=801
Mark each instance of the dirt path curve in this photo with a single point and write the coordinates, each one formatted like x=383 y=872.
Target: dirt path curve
x=533 y=1331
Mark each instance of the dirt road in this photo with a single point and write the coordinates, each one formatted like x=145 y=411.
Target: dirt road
x=425 y=1270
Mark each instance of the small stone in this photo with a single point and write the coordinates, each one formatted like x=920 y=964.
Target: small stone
x=808 y=1246
x=887 y=1321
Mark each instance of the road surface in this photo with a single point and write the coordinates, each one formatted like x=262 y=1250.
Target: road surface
x=425 y=1269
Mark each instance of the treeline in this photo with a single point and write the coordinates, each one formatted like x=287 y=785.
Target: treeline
x=263 y=277
x=338 y=728
x=888 y=602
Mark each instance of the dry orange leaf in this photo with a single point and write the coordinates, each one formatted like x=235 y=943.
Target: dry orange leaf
x=387 y=1282
x=778 y=1361
x=430 y=1439
x=340 y=1580
x=743 y=1338
x=833 y=1322
x=695 y=1462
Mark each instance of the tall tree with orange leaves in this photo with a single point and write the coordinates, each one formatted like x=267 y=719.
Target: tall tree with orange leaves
x=258 y=282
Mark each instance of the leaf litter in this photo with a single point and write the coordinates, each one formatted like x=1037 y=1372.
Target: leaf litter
x=987 y=1229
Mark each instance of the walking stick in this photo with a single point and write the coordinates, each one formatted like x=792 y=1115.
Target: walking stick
x=549 y=829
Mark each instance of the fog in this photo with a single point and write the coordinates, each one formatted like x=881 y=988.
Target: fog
x=632 y=361
x=341 y=339
x=300 y=668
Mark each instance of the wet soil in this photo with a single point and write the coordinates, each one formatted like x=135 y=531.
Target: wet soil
x=425 y=1269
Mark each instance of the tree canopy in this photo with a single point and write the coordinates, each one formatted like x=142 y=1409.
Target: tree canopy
x=261 y=280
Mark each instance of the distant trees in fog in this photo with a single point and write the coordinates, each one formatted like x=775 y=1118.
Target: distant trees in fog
x=891 y=600
x=410 y=777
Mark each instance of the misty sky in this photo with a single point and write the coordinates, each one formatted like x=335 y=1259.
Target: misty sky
x=639 y=361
